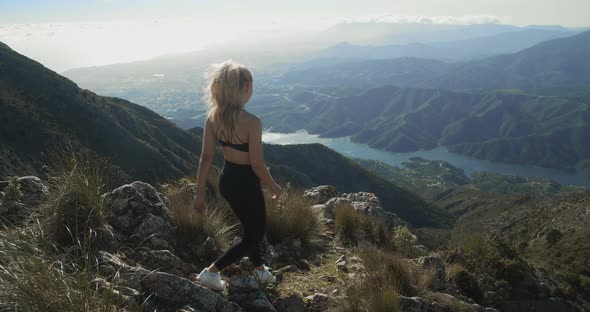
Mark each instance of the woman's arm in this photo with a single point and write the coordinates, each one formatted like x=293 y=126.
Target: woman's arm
x=257 y=157
x=207 y=155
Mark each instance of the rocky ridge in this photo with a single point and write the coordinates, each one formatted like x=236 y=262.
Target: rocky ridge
x=139 y=261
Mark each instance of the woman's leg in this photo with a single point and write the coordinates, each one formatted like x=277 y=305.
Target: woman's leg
x=247 y=202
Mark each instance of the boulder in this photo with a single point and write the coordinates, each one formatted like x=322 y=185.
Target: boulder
x=30 y=194
x=182 y=292
x=319 y=302
x=34 y=191
x=163 y=260
x=414 y=304
x=292 y=303
x=320 y=194
x=363 y=202
x=246 y=292
x=140 y=213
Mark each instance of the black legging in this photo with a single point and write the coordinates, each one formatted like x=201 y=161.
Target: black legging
x=240 y=186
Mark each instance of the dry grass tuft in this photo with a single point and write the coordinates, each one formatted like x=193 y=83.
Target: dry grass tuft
x=218 y=222
x=291 y=219
x=32 y=280
x=386 y=276
x=73 y=210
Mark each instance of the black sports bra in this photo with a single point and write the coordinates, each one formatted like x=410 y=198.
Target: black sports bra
x=240 y=147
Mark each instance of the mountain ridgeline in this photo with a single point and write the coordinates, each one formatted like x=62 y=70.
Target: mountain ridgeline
x=562 y=62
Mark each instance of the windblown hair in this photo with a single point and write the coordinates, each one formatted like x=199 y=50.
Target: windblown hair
x=223 y=94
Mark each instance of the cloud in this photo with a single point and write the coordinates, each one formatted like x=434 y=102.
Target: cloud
x=424 y=19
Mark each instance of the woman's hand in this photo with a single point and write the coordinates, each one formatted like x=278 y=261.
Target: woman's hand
x=277 y=191
x=198 y=203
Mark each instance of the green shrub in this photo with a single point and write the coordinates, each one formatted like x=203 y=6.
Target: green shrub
x=465 y=282
x=404 y=242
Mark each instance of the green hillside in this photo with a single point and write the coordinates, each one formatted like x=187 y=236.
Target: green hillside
x=41 y=110
x=513 y=128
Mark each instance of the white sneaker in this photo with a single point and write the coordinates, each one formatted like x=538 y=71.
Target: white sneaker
x=211 y=280
x=265 y=276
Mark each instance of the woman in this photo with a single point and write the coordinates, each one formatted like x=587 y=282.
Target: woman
x=240 y=135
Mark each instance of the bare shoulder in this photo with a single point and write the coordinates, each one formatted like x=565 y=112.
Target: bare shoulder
x=251 y=119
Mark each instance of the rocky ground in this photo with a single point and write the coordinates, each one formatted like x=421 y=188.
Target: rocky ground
x=141 y=266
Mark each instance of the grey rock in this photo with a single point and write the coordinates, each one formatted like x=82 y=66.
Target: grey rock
x=152 y=225
x=319 y=302
x=320 y=194
x=246 y=292
x=366 y=203
x=163 y=260
x=341 y=264
x=158 y=243
x=141 y=214
x=242 y=284
x=414 y=304
x=332 y=203
x=13 y=212
x=135 y=201
x=293 y=303
x=183 y=292
x=34 y=191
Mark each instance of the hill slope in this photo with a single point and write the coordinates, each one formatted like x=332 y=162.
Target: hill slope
x=41 y=110
x=512 y=128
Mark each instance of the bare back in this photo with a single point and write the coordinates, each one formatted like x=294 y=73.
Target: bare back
x=243 y=128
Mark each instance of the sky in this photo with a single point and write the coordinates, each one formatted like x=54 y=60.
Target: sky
x=63 y=34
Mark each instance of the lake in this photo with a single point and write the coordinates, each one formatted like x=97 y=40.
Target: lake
x=351 y=149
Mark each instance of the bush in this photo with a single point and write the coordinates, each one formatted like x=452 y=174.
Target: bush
x=351 y=226
x=31 y=280
x=495 y=266
x=292 y=219
x=192 y=227
x=73 y=211
x=404 y=242
x=465 y=282
x=384 y=278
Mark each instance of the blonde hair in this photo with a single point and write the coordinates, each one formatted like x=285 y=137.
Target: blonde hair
x=224 y=93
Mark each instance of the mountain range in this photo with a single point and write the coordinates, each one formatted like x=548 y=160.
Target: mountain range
x=512 y=128
x=561 y=62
